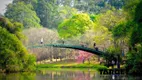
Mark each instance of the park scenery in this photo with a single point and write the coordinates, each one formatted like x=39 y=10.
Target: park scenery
x=71 y=40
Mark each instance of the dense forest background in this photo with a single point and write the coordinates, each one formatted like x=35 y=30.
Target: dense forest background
x=114 y=25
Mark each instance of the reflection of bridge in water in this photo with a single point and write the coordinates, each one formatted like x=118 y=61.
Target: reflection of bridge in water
x=78 y=47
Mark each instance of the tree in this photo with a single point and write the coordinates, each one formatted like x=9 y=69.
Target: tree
x=97 y=6
x=110 y=18
x=23 y=13
x=130 y=8
x=48 y=13
x=34 y=36
x=131 y=30
x=104 y=26
x=131 y=27
x=13 y=54
x=75 y=26
x=83 y=56
x=33 y=2
x=113 y=54
x=13 y=27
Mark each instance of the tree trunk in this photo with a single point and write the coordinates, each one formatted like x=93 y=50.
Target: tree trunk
x=88 y=60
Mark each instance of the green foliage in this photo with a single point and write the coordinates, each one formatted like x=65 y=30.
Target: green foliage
x=75 y=26
x=18 y=76
x=134 y=61
x=52 y=12
x=33 y=2
x=112 y=54
x=13 y=55
x=30 y=63
x=136 y=36
x=42 y=12
x=93 y=17
x=130 y=7
x=104 y=23
x=23 y=13
x=48 y=13
x=101 y=34
x=124 y=29
x=66 y=12
x=116 y=3
x=138 y=11
x=131 y=29
x=97 y=6
x=12 y=27
x=110 y=18
x=63 y=65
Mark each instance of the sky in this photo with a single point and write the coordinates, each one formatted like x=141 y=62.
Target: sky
x=3 y=4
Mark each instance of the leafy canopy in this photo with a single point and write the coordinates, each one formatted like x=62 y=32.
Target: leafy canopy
x=23 y=13
x=12 y=27
x=13 y=55
x=75 y=26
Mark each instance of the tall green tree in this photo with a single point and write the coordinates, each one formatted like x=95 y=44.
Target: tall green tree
x=97 y=6
x=104 y=24
x=32 y=2
x=13 y=27
x=110 y=18
x=23 y=13
x=75 y=26
x=48 y=13
x=13 y=55
x=131 y=29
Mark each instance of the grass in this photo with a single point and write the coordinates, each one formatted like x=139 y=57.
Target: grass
x=70 y=66
x=65 y=69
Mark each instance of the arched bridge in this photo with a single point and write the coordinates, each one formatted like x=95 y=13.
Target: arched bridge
x=78 y=47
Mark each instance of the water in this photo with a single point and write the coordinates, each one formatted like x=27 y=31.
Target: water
x=64 y=75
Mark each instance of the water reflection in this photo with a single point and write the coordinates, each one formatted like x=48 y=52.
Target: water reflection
x=64 y=75
x=18 y=76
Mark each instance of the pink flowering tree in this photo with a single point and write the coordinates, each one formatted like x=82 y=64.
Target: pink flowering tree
x=83 y=55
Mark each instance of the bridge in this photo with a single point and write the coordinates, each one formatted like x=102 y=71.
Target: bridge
x=78 y=47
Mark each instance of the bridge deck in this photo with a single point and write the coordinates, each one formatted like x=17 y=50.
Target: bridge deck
x=78 y=47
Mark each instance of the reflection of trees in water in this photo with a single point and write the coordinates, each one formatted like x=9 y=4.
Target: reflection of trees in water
x=83 y=76
x=66 y=75
x=18 y=76
x=80 y=75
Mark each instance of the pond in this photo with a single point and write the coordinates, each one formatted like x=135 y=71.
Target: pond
x=64 y=74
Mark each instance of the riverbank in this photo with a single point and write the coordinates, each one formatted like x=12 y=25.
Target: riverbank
x=71 y=65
